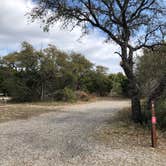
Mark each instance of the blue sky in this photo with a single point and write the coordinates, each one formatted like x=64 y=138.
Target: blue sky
x=15 y=28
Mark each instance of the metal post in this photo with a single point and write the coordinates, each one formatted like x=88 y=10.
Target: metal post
x=153 y=129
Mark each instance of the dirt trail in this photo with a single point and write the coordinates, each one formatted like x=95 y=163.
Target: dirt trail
x=66 y=138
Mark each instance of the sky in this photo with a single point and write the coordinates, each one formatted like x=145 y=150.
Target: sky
x=16 y=28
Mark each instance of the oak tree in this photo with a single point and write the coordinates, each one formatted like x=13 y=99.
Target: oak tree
x=131 y=24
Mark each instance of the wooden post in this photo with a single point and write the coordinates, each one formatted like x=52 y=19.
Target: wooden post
x=153 y=129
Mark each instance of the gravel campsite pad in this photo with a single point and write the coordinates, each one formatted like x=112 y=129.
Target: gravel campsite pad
x=83 y=134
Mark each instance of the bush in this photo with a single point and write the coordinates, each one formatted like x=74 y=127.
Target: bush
x=120 y=85
x=161 y=113
x=160 y=109
x=81 y=95
x=146 y=114
x=66 y=94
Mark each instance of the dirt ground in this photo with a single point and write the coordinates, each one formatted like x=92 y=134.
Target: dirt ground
x=86 y=134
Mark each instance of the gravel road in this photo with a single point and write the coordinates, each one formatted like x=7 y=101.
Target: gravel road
x=65 y=138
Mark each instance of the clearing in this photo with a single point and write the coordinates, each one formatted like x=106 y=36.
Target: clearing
x=89 y=134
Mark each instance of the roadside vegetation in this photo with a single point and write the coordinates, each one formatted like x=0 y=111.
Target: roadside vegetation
x=121 y=132
x=50 y=76
x=151 y=73
x=53 y=75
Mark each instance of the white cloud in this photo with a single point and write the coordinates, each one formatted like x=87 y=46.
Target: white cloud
x=15 y=28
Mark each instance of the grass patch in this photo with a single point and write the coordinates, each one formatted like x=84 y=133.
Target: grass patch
x=120 y=132
x=22 y=111
x=14 y=111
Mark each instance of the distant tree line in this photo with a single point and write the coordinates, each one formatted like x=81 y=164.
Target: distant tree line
x=51 y=74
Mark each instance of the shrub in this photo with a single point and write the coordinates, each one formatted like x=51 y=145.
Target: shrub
x=160 y=109
x=68 y=94
x=81 y=95
x=161 y=113
x=120 y=85
x=65 y=94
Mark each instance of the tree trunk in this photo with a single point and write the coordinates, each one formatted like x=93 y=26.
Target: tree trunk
x=134 y=94
x=42 y=92
x=127 y=65
x=135 y=100
x=136 y=109
x=149 y=100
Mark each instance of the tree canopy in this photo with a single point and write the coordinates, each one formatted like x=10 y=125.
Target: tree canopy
x=51 y=74
x=123 y=21
x=151 y=72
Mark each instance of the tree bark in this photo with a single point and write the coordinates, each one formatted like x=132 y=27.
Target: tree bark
x=136 y=109
x=127 y=65
x=135 y=101
x=42 y=92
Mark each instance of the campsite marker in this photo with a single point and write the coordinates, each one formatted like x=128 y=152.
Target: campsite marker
x=153 y=129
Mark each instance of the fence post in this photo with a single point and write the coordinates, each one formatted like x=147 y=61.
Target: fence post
x=153 y=128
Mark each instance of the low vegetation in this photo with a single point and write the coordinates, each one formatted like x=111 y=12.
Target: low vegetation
x=121 y=132
x=22 y=111
x=160 y=110
x=151 y=73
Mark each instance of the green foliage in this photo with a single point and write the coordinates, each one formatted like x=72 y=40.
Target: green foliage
x=160 y=109
x=120 y=85
x=151 y=69
x=151 y=74
x=23 y=86
x=96 y=82
x=65 y=94
x=50 y=74
x=3 y=74
x=161 y=113
x=68 y=94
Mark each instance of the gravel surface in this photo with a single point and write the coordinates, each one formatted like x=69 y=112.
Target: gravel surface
x=66 y=138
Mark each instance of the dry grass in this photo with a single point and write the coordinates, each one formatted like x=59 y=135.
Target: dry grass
x=14 y=111
x=22 y=111
x=120 y=132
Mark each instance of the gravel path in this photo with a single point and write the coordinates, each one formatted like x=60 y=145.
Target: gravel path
x=65 y=138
